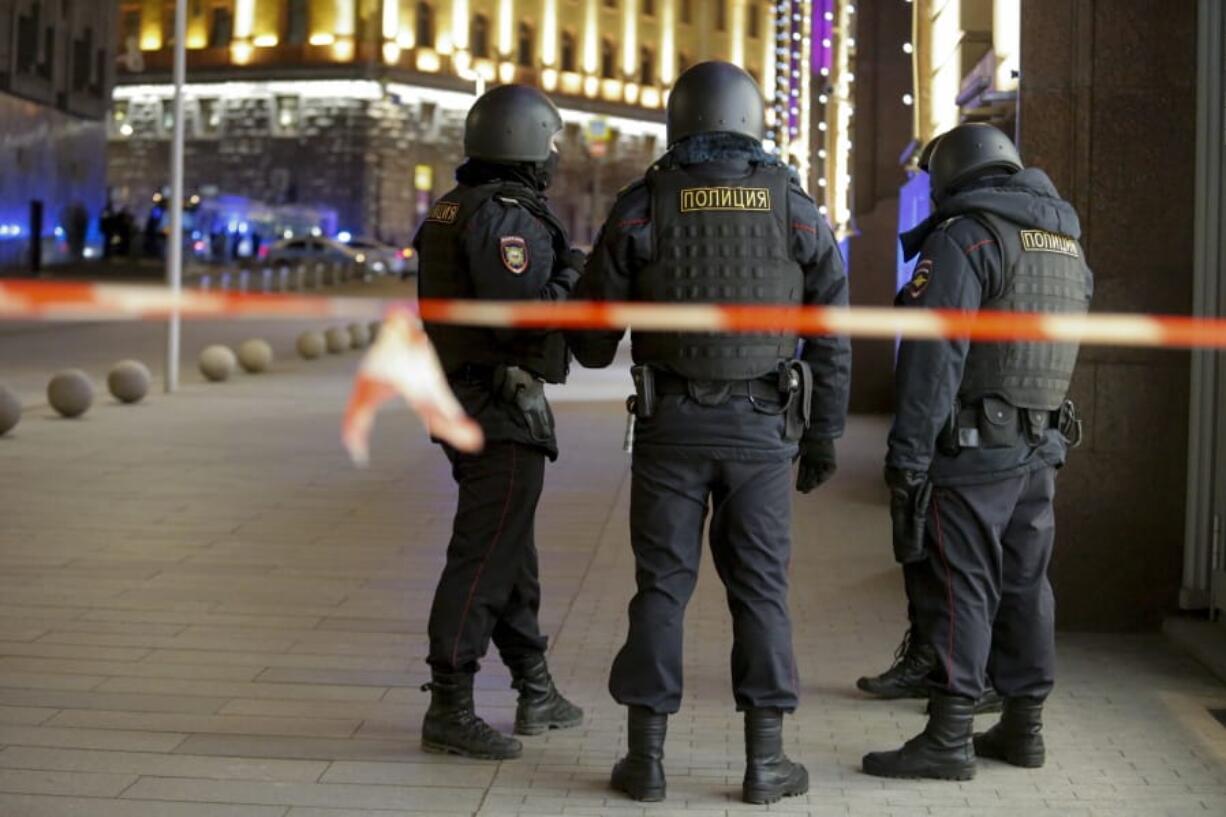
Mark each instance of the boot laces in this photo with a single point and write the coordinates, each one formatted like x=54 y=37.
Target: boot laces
x=904 y=654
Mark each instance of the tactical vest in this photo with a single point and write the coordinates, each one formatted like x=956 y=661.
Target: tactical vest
x=722 y=243
x=1043 y=272
x=443 y=273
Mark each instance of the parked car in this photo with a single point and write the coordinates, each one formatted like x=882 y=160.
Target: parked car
x=309 y=250
x=400 y=261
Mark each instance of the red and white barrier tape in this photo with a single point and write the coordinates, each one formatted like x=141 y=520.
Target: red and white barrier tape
x=403 y=363
x=39 y=300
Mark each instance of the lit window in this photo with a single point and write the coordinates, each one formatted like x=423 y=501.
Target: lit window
x=647 y=69
x=479 y=36
x=525 y=50
x=608 y=61
x=425 y=25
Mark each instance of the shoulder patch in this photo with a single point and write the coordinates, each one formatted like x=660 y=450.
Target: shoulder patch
x=514 y=251
x=920 y=279
x=1043 y=241
x=444 y=212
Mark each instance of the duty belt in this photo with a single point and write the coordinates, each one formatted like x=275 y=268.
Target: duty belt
x=994 y=423
x=764 y=389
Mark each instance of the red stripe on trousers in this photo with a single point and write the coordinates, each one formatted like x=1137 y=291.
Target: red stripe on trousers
x=506 y=506
x=949 y=592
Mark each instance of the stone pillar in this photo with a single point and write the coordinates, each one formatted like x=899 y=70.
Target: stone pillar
x=882 y=131
x=1108 y=100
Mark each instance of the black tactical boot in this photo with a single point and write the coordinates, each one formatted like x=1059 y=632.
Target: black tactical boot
x=640 y=773
x=943 y=751
x=541 y=706
x=1018 y=737
x=452 y=727
x=769 y=774
x=913 y=661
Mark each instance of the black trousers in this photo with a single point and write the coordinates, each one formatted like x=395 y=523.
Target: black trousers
x=981 y=597
x=489 y=587
x=750 y=543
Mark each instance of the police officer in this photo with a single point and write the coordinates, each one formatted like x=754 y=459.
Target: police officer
x=915 y=659
x=493 y=238
x=979 y=432
x=719 y=417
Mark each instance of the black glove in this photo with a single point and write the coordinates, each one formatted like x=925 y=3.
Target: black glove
x=576 y=259
x=910 y=493
x=817 y=464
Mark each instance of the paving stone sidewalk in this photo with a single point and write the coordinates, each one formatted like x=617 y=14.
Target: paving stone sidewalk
x=205 y=611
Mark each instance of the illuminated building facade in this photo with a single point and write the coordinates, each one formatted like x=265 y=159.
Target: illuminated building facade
x=55 y=78
x=359 y=104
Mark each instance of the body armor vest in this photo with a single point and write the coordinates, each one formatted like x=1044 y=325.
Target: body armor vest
x=1043 y=272
x=726 y=242
x=443 y=273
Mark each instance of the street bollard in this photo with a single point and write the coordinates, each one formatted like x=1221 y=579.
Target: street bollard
x=244 y=279
x=319 y=276
x=266 y=279
x=283 y=279
x=300 y=278
x=204 y=282
x=225 y=281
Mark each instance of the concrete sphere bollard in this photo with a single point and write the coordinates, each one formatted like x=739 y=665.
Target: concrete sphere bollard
x=217 y=363
x=255 y=355
x=129 y=381
x=338 y=340
x=311 y=345
x=359 y=335
x=374 y=328
x=10 y=410
x=70 y=393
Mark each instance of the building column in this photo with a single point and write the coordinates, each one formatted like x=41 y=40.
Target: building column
x=1096 y=76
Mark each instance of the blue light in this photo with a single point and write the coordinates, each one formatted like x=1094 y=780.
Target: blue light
x=344 y=236
x=59 y=232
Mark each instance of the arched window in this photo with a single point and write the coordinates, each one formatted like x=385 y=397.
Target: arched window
x=608 y=59
x=526 y=55
x=649 y=8
x=755 y=20
x=479 y=36
x=568 y=51
x=687 y=11
x=647 y=66
x=721 y=15
x=425 y=25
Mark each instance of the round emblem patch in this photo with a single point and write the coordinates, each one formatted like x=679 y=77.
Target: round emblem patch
x=514 y=254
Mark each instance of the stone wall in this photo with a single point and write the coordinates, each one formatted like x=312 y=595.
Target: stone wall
x=1109 y=110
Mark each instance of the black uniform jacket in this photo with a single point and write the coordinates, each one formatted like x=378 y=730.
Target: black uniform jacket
x=962 y=269
x=625 y=246
x=531 y=272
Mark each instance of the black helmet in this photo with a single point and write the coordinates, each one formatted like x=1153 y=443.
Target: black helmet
x=925 y=157
x=967 y=151
x=715 y=97
x=511 y=123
